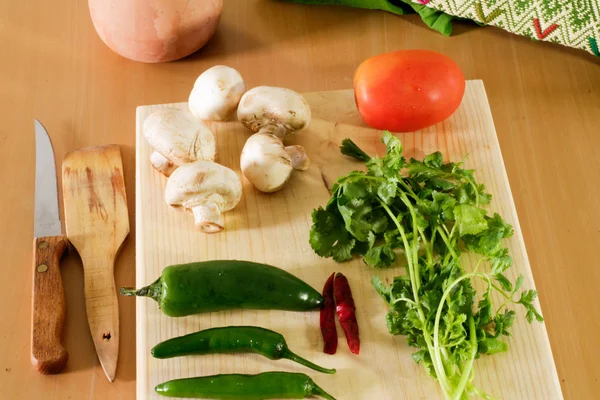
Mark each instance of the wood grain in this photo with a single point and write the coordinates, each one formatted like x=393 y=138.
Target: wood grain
x=545 y=100
x=48 y=355
x=274 y=229
x=97 y=223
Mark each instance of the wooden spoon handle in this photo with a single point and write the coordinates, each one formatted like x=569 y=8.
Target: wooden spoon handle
x=102 y=310
x=48 y=355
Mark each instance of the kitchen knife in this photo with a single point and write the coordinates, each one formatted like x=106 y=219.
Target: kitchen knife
x=48 y=355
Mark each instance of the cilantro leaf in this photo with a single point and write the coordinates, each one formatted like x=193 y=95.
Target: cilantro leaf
x=434 y=160
x=380 y=256
x=356 y=215
x=492 y=346
x=484 y=314
x=381 y=288
x=421 y=172
x=375 y=167
x=355 y=189
x=518 y=284
x=440 y=184
x=440 y=208
x=387 y=192
x=392 y=163
x=503 y=281
x=501 y=261
x=470 y=219
x=379 y=221
x=527 y=298
x=328 y=236
x=469 y=193
x=424 y=358
x=393 y=145
x=487 y=242
x=503 y=322
x=454 y=329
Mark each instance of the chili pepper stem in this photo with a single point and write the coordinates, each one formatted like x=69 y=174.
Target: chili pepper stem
x=153 y=290
x=129 y=291
x=294 y=357
x=316 y=390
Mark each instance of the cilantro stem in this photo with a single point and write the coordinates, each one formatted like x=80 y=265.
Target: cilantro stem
x=501 y=291
x=476 y=192
x=509 y=299
x=373 y=178
x=409 y=190
x=399 y=299
x=437 y=362
x=451 y=234
x=415 y=247
x=413 y=214
x=447 y=241
x=438 y=314
x=482 y=394
x=454 y=344
x=473 y=335
x=446 y=230
x=426 y=245
x=409 y=258
x=457 y=395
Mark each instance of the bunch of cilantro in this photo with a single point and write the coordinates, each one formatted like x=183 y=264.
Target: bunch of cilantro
x=428 y=213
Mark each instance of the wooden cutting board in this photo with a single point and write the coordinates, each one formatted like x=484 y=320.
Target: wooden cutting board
x=274 y=229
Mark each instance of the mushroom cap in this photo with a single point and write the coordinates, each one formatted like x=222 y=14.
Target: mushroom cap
x=216 y=93
x=265 y=162
x=203 y=182
x=178 y=136
x=275 y=110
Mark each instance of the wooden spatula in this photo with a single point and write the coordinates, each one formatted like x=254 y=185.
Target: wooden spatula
x=97 y=223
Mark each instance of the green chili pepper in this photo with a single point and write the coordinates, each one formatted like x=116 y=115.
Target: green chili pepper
x=227 y=284
x=233 y=339
x=268 y=385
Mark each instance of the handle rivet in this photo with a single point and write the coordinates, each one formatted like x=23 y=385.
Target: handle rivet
x=42 y=268
x=43 y=245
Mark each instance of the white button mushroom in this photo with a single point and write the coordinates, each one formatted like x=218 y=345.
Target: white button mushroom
x=216 y=93
x=268 y=109
x=273 y=113
x=205 y=189
x=265 y=162
x=178 y=138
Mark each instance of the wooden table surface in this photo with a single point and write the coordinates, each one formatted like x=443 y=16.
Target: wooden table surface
x=545 y=100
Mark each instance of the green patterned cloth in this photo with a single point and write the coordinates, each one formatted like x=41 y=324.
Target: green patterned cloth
x=573 y=23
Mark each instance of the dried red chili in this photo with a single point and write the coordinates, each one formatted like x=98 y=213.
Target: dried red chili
x=327 y=318
x=346 y=311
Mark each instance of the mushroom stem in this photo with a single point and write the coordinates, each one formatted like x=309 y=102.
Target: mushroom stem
x=275 y=129
x=299 y=158
x=208 y=218
x=162 y=163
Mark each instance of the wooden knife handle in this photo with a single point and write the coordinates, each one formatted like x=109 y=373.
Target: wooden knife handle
x=48 y=355
x=102 y=308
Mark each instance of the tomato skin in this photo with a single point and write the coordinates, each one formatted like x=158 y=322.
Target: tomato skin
x=407 y=90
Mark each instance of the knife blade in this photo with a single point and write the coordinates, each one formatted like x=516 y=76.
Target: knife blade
x=48 y=355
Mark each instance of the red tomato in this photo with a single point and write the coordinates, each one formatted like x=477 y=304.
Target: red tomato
x=407 y=90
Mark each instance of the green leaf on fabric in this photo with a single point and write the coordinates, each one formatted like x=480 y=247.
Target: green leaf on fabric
x=436 y=20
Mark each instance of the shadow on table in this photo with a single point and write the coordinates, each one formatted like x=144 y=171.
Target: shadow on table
x=76 y=338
